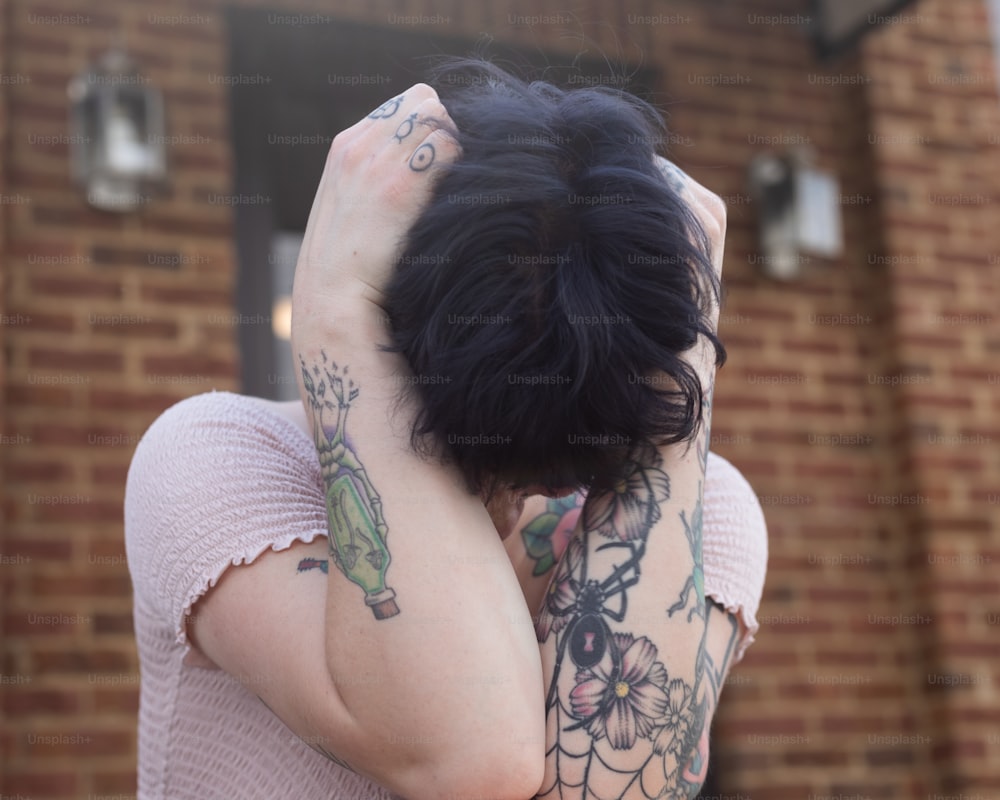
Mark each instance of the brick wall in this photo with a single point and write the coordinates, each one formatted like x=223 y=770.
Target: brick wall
x=880 y=596
x=941 y=189
x=3 y=227
x=119 y=326
x=822 y=701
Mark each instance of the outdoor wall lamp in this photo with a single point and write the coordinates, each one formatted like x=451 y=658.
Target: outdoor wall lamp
x=117 y=140
x=798 y=211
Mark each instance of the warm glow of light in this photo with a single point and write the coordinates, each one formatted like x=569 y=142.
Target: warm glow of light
x=281 y=317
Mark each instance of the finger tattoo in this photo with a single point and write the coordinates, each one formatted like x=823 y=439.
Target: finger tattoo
x=422 y=157
x=405 y=127
x=388 y=108
x=673 y=175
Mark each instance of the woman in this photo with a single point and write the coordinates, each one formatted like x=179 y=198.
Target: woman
x=458 y=660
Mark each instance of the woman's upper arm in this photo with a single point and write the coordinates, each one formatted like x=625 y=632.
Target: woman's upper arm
x=222 y=505
x=262 y=624
x=214 y=482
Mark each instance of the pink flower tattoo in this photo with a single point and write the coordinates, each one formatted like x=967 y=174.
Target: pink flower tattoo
x=632 y=507
x=622 y=701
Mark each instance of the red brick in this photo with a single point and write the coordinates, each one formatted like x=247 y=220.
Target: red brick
x=117 y=256
x=23 y=702
x=38 y=549
x=75 y=218
x=189 y=226
x=90 y=360
x=139 y=327
x=109 y=474
x=40 y=43
x=111 y=784
x=75 y=287
x=764 y=726
x=80 y=511
x=826 y=759
x=38 y=782
x=989 y=651
x=84 y=435
x=882 y=757
x=189 y=296
x=31 y=471
x=27 y=395
x=945 y=752
x=113 y=623
x=111 y=701
x=83 y=662
x=50 y=323
x=853 y=724
x=81 y=743
x=21 y=107
x=839 y=595
x=189 y=365
x=814 y=347
x=846 y=658
x=43 y=623
x=124 y=400
x=831 y=408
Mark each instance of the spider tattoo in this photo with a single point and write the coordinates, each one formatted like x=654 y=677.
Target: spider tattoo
x=587 y=635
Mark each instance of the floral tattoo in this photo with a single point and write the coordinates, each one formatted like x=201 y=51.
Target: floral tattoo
x=547 y=535
x=626 y=726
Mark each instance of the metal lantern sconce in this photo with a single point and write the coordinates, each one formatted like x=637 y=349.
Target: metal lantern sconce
x=798 y=211
x=117 y=137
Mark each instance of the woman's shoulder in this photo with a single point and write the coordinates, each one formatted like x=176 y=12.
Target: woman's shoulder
x=214 y=409
x=221 y=418
x=217 y=479
x=225 y=438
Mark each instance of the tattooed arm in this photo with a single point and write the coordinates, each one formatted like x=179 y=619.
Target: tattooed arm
x=622 y=632
x=426 y=604
x=631 y=670
x=546 y=528
x=543 y=532
x=410 y=658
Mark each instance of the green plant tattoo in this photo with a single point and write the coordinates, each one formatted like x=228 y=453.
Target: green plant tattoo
x=695 y=583
x=354 y=509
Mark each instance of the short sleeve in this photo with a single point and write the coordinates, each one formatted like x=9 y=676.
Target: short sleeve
x=734 y=541
x=215 y=481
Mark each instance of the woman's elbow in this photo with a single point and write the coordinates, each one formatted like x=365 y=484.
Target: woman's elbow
x=496 y=768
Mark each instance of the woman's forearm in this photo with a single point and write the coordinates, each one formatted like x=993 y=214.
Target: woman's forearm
x=622 y=631
x=428 y=637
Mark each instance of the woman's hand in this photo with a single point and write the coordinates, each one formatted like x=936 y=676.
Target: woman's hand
x=710 y=210
x=706 y=205
x=378 y=176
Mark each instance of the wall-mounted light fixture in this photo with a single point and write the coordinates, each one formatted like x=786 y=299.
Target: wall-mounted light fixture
x=117 y=137
x=798 y=211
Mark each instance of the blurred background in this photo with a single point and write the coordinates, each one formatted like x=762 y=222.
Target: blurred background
x=157 y=164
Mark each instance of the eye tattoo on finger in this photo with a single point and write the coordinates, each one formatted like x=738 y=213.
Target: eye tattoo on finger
x=405 y=128
x=422 y=157
x=388 y=108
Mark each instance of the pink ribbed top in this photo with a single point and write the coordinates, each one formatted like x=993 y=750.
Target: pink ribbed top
x=218 y=479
